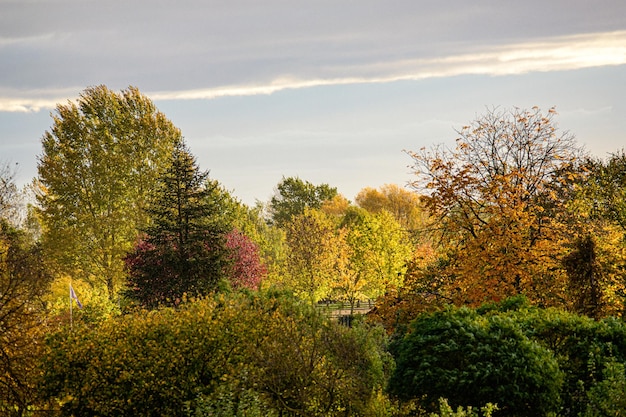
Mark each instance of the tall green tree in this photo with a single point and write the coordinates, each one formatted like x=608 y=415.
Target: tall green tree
x=606 y=187
x=184 y=251
x=294 y=195
x=99 y=164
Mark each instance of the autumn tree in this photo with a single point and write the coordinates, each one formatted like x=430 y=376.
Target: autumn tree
x=184 y=249
x=497 y=204
x=406 y=206
x=246 y=269
x=598 y=212
x=294 y=195
x=379 y=251
x=10 y=196
x=23 y=281
x=99 y=164
x=312 y=251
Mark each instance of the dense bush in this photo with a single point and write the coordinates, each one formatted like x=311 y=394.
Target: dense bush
x=472 y=359
x=227 y=355
x=528 y=360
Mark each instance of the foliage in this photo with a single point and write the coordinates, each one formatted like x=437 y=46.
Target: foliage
x=379 y=250
x=184 y=251
x=598 y=210
x=583 y=347
x=608 y=397
x=473 y=359
x=269 y=239
x=294 y=195
x=240 y=354
x=498 y=202
x=312 y=254
x=247 y=271
x=23 y=281
x=585 y=280
x=446 y=411
x=404 y=205
x=99 y=164
x=10 y=196
x=606 y=185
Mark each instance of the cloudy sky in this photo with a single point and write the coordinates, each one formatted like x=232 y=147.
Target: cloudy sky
x=330 y=91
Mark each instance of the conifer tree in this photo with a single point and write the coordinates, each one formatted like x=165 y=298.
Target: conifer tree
x=183 y=252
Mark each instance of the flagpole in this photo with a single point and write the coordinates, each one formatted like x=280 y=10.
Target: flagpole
x=71 y=313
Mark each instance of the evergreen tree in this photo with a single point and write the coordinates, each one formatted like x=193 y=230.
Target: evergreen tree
x=184 y=250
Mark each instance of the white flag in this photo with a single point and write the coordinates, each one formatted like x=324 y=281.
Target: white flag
x=74 y=297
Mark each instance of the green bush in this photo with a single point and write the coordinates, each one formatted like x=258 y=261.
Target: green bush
x=474 y=359
x=608 y=396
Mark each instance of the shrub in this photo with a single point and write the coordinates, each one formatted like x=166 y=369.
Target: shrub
x=474 y=359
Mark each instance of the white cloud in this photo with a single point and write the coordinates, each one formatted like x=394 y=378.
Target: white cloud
x=551 y=54
x=558 y=54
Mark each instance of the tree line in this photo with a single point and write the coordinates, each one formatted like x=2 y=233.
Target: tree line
x=171 y=266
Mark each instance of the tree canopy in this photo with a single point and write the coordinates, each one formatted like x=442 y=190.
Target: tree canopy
x=293 y=195
x=99 y=165
x=498 y=206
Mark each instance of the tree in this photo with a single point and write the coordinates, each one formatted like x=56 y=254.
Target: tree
x=10 y=197
x=247 y=269
x=99 y=164
x=23 y=280
x=498 y=204
x=405 y=206
x=585 y=280
x=380 y=250
x=184 y=250
x=293 y=196
x=598 y=228
x=311 y=254
x=606 y=187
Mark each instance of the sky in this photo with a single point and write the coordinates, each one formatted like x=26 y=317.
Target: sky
x=329 y=91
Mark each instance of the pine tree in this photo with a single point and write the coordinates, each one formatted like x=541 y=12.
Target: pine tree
x=183 y=252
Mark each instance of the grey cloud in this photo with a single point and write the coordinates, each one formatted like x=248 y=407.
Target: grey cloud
x=164 y=45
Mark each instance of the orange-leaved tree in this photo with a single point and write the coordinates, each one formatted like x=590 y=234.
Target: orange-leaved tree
x=499 y=205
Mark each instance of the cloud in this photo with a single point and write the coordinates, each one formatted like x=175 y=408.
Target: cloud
x=560 y=53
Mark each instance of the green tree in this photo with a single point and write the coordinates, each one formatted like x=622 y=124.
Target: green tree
x=99 y=164
x=184 y=251
x=380 y=250
x=605 y=187
x=585 y=278
x=23 y=281
x=294 y=195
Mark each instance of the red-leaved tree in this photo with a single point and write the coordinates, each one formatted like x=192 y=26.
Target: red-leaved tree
x=246 y=270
